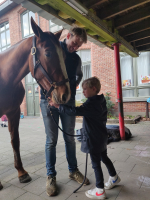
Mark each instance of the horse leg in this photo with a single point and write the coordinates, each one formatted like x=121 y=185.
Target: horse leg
x=13 y=125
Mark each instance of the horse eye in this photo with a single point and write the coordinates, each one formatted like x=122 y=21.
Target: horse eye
x=47 y=54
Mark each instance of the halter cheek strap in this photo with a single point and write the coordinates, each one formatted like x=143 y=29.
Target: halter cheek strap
x=37 y=64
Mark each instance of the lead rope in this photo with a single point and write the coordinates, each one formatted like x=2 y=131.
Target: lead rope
x=49 y=107
x=84 y=176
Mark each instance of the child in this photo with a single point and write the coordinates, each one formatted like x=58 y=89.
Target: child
x=94 y=111
x=4 y=120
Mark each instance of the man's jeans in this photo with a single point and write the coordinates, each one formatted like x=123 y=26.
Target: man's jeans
x=68 y=124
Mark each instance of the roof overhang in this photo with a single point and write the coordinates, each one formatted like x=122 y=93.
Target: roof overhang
x=101 y=32
x=7 y=6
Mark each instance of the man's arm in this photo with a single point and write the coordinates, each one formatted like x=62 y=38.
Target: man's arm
x=79 y=73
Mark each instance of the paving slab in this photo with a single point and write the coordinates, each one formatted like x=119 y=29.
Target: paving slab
x=131 y=159
x=11 y=193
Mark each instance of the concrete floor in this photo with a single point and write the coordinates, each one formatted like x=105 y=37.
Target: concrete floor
x=131 y=160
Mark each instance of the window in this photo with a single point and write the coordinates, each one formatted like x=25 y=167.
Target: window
x=4 y=36
x=26 y=23
x=135 y=74
x=85 y=56
x=127 y=71
x=53 y=27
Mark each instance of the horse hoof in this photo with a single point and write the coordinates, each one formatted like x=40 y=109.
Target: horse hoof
x=25 y=178
x=1 y=187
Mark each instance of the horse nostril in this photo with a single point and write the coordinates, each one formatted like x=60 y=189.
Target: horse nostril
x=64 y=97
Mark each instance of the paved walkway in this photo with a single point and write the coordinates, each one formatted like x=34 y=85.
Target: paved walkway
x=131 y=159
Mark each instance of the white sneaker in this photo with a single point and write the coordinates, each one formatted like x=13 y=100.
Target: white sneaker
x=96 y=193
x=112 y=181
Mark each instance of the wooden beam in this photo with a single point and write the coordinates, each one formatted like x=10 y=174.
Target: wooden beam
x=144 y=48
x=135 y=28
x=142 y=42
x=138 y=36
x=93 y=3
x=119 y=7
x=91 y=22
x=133 y=17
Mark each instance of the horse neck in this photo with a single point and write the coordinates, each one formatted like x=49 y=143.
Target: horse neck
x=16 y=61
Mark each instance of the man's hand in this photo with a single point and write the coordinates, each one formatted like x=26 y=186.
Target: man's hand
x=51 y=103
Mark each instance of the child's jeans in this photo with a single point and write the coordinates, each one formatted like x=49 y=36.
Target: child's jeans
x=96 y=159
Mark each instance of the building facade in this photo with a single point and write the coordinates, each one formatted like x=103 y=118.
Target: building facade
x=96 y=61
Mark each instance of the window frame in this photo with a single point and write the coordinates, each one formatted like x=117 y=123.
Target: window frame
x=22 y=29
x=5 y=30
x=136 y=87
x=83 y=64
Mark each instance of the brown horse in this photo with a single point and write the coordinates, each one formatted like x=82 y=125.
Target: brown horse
x=15 y=64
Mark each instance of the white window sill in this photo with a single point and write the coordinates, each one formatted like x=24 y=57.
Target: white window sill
x=134 y=99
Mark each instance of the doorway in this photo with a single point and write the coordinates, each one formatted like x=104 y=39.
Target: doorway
x=32 y=96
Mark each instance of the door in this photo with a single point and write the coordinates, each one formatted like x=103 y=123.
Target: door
x=32 y=96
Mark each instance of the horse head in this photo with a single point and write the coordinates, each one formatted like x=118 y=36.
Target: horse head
x=51 y=75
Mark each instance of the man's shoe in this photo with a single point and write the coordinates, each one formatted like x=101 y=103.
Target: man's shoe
x=96 y=193
x=51 y=187
x=112 y=181
x=78 y=176
x=1 y=125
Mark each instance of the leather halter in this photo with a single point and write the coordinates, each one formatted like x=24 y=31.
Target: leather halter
x=37 y=64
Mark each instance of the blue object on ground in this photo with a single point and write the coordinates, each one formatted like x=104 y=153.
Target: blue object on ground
x=21 y=116
x=148 y=100
x=112 y=126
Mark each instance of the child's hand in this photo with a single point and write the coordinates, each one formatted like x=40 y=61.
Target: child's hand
x=51 y=103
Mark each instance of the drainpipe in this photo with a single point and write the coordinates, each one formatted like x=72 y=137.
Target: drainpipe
x=119 y=90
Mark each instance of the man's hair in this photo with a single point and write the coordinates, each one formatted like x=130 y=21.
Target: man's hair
x=92 y=82
x=80 y=32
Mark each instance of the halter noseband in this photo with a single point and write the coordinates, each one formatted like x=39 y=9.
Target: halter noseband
x=37 y=64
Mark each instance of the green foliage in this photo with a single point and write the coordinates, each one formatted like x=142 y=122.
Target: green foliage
x=111 y=117
x=78 y=103
x=129 y=116
x=109 y=104
x=84 y=100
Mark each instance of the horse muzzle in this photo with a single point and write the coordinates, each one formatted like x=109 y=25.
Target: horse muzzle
x=61 y=95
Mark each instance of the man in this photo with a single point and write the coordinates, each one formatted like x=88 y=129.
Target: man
x=75 y=38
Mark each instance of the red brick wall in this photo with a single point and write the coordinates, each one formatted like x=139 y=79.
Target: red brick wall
x=102 y=60
x=135 y=107
x=44 y=25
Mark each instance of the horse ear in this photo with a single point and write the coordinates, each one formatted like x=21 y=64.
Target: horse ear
x=36 y=29
x=58 y=34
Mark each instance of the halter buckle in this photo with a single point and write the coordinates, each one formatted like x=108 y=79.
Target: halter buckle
x=54 y=85
x=33 y=50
